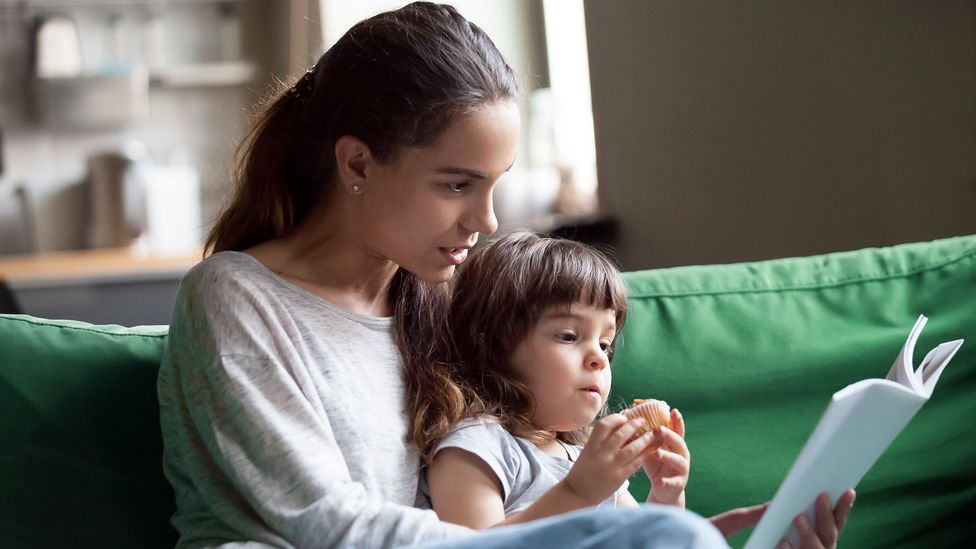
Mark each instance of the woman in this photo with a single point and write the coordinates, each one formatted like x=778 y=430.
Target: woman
x=295 y=349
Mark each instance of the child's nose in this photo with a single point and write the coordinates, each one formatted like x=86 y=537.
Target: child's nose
x=597 y=361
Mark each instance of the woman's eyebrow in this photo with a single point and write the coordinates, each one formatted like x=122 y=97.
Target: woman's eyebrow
x=454 y=170
x=462 y=171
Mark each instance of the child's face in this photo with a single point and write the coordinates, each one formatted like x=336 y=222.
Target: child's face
x=565 y=364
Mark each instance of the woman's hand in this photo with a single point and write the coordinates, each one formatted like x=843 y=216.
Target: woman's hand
x=607 y=459
x=824 y=536
x=730 y=522
x=829 y=523
x=668 y=466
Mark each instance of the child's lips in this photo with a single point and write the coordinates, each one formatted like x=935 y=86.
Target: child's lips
x=593 y=389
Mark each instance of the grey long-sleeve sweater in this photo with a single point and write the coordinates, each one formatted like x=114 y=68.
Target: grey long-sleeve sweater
x=283 y=418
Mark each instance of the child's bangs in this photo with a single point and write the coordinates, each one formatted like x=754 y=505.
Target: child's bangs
x=577 y=274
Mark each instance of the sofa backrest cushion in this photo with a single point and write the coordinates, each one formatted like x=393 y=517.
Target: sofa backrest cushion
x=751 y=353
x=81 y=455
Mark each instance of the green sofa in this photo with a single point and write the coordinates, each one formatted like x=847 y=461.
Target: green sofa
x=749 y=352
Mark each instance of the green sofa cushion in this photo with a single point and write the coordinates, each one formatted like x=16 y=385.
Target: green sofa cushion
x=81 y=458
x=751 y=353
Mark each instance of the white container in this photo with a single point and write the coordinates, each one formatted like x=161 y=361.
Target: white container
x=172 y=209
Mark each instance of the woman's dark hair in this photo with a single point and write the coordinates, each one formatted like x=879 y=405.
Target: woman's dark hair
x=499 y=295
x=395 y=80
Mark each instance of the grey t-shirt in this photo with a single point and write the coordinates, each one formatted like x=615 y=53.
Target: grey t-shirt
x=524 y=471
x=283 y=417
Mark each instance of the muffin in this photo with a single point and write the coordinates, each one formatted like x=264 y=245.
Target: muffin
x=656 y=413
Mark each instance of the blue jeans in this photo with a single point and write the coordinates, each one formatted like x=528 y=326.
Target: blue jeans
x=648 y=526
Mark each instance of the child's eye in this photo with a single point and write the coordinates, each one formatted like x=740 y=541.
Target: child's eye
x=607 y=348
x=458 y=187
x=566 y=337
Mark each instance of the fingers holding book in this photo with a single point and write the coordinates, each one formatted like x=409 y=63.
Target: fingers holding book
x=830 y=523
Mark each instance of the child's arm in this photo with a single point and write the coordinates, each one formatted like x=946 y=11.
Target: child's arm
x=464 y=490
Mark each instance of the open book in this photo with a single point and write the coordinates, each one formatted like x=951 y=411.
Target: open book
x=860 y=422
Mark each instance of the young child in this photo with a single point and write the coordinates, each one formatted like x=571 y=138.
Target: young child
x=535 y=320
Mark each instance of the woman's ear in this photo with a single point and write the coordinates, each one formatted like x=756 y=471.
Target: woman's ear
x=352 y=157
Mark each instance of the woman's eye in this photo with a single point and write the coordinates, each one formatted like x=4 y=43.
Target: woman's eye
x=458 y=187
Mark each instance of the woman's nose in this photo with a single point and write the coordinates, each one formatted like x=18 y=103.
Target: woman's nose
x=481 y=216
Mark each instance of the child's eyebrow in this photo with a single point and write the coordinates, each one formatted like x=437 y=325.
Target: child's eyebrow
x=561 y=315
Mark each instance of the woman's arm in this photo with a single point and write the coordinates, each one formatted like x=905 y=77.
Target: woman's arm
x=251 y=454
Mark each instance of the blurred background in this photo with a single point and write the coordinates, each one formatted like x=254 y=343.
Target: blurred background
x=671 y=133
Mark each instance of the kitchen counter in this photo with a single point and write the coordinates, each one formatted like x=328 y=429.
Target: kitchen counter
x=105 y=286
x=91 y=265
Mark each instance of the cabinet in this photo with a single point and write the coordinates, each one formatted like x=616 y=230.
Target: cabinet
x=91 y=63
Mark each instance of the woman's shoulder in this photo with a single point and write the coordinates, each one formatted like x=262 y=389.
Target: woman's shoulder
x=225 y=263
x=227 y=271
x=228 y=284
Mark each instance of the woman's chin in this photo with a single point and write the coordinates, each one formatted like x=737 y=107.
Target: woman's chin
x=440 y=276
x=437 y=275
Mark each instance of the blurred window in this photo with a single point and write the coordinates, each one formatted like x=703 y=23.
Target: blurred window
x=555 y=173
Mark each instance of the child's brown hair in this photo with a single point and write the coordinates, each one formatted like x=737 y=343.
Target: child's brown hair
x=499 y=294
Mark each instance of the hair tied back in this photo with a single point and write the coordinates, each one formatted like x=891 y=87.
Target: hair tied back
x=303 y=88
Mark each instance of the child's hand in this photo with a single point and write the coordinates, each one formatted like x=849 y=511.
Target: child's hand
x=607 y=459
x=668 y=467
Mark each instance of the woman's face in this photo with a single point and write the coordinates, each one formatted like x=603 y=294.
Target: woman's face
x=425 y=209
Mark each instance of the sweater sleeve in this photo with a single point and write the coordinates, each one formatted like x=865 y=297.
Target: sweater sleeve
x=246 y=450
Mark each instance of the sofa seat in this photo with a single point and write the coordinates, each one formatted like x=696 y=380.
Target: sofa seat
x=749 y=352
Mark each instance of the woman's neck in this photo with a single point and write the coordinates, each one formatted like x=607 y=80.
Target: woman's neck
x=320 y=259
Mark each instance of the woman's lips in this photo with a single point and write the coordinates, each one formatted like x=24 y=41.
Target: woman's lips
x=455 y=255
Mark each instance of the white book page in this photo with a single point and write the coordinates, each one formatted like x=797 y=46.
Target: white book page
x=860 y=422
x=902 y=371
x=922 y=380
x=934 y=363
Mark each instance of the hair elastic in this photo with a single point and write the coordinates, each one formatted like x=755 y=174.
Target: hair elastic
x=304 y=85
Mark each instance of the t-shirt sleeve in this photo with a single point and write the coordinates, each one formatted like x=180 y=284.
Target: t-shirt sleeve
x=488 y=440
x=622 y=490
x=257 y=454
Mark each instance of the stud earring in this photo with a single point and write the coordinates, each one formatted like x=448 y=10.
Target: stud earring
x=355 y=188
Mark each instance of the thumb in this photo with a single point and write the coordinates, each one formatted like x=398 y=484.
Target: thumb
x=730 y=522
